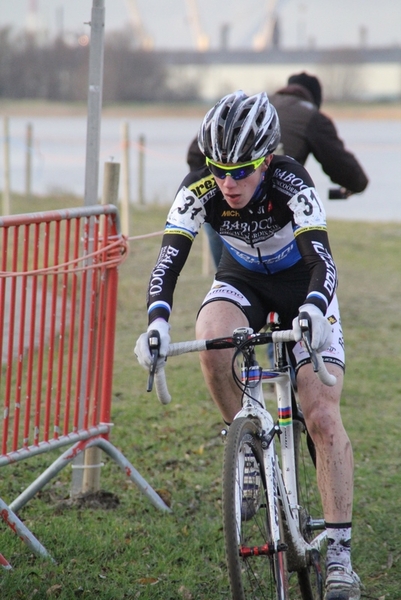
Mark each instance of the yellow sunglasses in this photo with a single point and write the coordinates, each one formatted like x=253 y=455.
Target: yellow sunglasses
x=236 y=172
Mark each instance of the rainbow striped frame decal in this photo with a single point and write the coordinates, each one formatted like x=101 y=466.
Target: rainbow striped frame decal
x=285 y=416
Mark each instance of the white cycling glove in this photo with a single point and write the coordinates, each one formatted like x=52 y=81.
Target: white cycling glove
x=322 y=332
x=142 y=350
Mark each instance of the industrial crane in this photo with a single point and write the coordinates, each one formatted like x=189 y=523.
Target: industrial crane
x=145 y=41
x=264 y=38
x=201 y=39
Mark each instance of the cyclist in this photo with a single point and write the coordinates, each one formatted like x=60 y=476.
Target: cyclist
x=276 y=257
x=304 y=130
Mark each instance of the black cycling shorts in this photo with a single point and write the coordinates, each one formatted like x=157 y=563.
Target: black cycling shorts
x=281 y=292
x=284 y=292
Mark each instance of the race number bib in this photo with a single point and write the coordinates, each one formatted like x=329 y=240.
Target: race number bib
x=308 y=209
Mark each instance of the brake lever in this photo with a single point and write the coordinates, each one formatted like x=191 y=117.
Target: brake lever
x=305 y=324
x=154 y=345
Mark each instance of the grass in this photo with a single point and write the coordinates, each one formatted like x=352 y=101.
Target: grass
x=133 y=550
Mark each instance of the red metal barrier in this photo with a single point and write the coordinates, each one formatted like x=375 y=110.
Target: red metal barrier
x=58 y=301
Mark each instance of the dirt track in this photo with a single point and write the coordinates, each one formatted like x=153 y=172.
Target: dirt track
x=54 y=109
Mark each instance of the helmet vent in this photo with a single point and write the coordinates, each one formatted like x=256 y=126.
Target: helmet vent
x=240 y=128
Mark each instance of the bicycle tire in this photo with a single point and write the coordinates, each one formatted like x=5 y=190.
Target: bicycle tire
x=254 y=570
x=310 y=578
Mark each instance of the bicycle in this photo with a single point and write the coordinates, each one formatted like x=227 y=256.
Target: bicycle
x=270 y=535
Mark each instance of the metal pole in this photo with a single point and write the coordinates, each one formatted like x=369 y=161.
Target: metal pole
x=96 y=53
x=92 y=461
x=95 y=84
x=6 y=190
x=28 y=166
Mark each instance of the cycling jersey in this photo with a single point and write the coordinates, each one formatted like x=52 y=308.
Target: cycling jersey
x=283 y=224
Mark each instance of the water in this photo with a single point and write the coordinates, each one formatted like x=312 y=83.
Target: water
x=377 y=145
x=58 y=160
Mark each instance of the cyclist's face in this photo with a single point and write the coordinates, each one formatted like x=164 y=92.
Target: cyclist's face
x=238 y=193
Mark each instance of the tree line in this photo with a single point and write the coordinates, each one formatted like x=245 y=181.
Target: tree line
x=58 y=71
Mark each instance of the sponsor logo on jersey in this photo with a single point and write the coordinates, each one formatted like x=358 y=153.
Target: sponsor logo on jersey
x=163 y=264
x=289 y=178
x=251 y=232
x=330 y=282
x=230 y=213
x=203 y=187
x=226 y=291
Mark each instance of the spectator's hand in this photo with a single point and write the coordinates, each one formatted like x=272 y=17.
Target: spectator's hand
x=346 y=193
x=321 y=334
x=339 y=193
x=142 y=351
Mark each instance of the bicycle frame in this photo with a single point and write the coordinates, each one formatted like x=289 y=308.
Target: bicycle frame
x=280 y=476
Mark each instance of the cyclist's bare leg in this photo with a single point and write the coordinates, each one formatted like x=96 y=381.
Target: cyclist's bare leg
x=321 y=407
x=219 y=319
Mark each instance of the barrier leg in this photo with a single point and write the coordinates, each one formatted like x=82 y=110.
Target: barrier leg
x=42 y=480
x=22 y=531
x=4 y=563
x=132 y=473
x=69 y=455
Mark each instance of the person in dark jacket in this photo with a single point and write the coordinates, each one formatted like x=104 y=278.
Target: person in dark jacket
x=304 y=130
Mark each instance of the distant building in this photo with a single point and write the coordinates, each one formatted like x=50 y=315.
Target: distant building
x=363 y=74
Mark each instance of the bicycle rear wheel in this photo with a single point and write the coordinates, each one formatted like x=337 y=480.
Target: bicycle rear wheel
x=256 y=570
x=310 y=578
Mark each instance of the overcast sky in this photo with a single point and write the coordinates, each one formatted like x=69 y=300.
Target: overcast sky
x=303 y=23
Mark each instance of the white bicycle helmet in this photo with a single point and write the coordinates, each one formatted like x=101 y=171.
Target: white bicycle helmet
x=239 y=128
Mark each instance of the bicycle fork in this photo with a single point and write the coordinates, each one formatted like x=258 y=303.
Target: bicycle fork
x=254 y=407
x=281 y=482
x=268 y=432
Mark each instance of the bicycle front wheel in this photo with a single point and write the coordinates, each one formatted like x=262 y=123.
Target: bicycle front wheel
x=256 y=569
